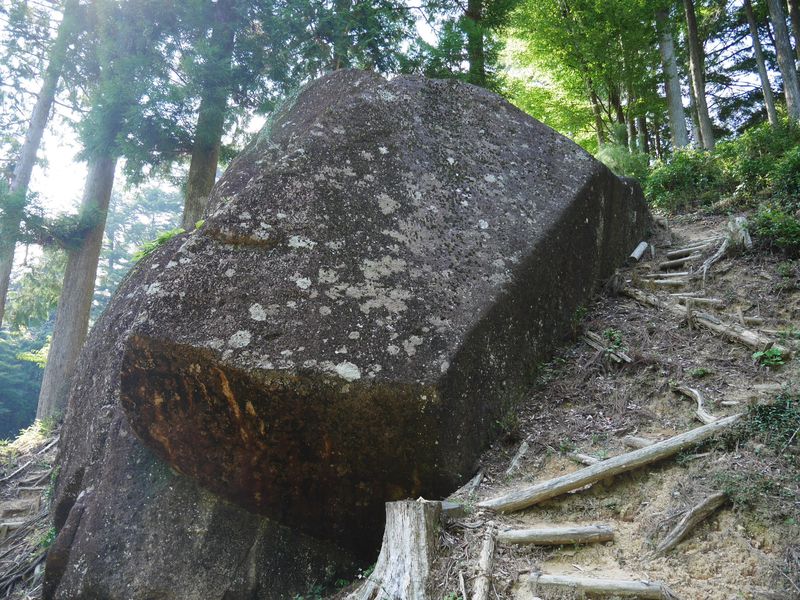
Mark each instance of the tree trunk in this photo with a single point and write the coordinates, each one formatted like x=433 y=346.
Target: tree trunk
x=211 y=115
x=341 y=39
x=672 y=82
x=697 y=76
x=697 y=134
x=794 y=15
x=644 y=143
x=769 y=100
x=75 y=302
x=783 y=47
x=476 y=53
x=598 y=115
x=657 y=136
x=33 y=138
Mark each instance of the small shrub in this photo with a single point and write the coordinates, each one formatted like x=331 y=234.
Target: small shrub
x=689 y=178
x=777 y=424
x=700 y=372
x=623 y=162
x=771 y=357
x=785 y=179
x=150 y=247
x=776 y=228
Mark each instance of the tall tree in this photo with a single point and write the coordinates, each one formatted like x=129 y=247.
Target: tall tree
x=697 y=75
x=672 y=83
x=794 y=16
x=769 y=100
x=216 y=89
x=13 y=204
x=783 y=48
x=127 y=59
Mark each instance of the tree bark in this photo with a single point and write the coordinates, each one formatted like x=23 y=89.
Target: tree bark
x=476 y=53
x=404 y=564
x=211 y=115
x=598 y=115
x=794 y=15
x=697 y=134
x=33 y=138
x=341 y=39
x=672 y=82
x=769 y=100
x=783 y=47
x=697 y=76
x=644 y=142
x=75 y=302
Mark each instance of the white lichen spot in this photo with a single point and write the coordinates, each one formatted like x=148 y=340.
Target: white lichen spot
x=297 y=241
x=281 y=215
x=171 y=264
x=286 y=352
x=154 y=288
x=490 y=178
x=444 y=366
x=410 y=345
x=483 y=224
x=341 y=350
x=335 y=245
x=155 y=266
x=354 y=335
x=366 y=155
x=324 y=311
x=243 y=216
x=230 y=273
x=327 y=276
x=309 y=364
x=451 y=160
x=348 y=371
x=291 y=304
x=393 y=350
x=386 y=204
x=338 y=130
x=257 y=313
x=240 y=339
x=302 y=282
x=383 y=150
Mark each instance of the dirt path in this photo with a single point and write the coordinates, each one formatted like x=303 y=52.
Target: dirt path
x=584 y=401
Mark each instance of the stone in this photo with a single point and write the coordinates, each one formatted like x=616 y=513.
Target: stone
x=378 y=274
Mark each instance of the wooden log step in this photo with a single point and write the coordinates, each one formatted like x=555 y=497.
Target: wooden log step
x=527 y=496
x=604 y=587
x=557 y=536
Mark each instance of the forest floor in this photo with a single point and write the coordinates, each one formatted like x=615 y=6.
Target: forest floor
x=583 y=401
x=26 y=473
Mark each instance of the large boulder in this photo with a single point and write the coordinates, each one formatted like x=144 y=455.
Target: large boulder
x=379 y=273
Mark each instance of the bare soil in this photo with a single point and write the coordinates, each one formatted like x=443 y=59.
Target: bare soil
x=583 y=401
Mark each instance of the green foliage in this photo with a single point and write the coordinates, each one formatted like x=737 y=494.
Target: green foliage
x=776 y=228
x=689 y=178
x=149 y=247
x=614 y=338
x=38 y=356
x=47 y=538
x=700 y=372
x=745 y=488
x=33 y=298
x=623 y=162
x=19 y=383
x=771 y=357
x=777 y=424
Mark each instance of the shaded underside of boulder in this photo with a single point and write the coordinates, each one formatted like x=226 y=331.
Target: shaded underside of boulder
x=378 y=275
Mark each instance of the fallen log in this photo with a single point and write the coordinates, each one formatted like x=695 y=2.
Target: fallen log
x=522 y=498
x=733 y=331
x=403 y=566
x=665 y=275
x=483 y=581
x=639 y=251
x=633 y=441
x=690 y=520
x=687 y=250
x=523 y=450
x=678 y=262
x=556 y=536
x=701 y=301
x=696 y=395
x=598 y=343
x=604 y=587
x=584 y=459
